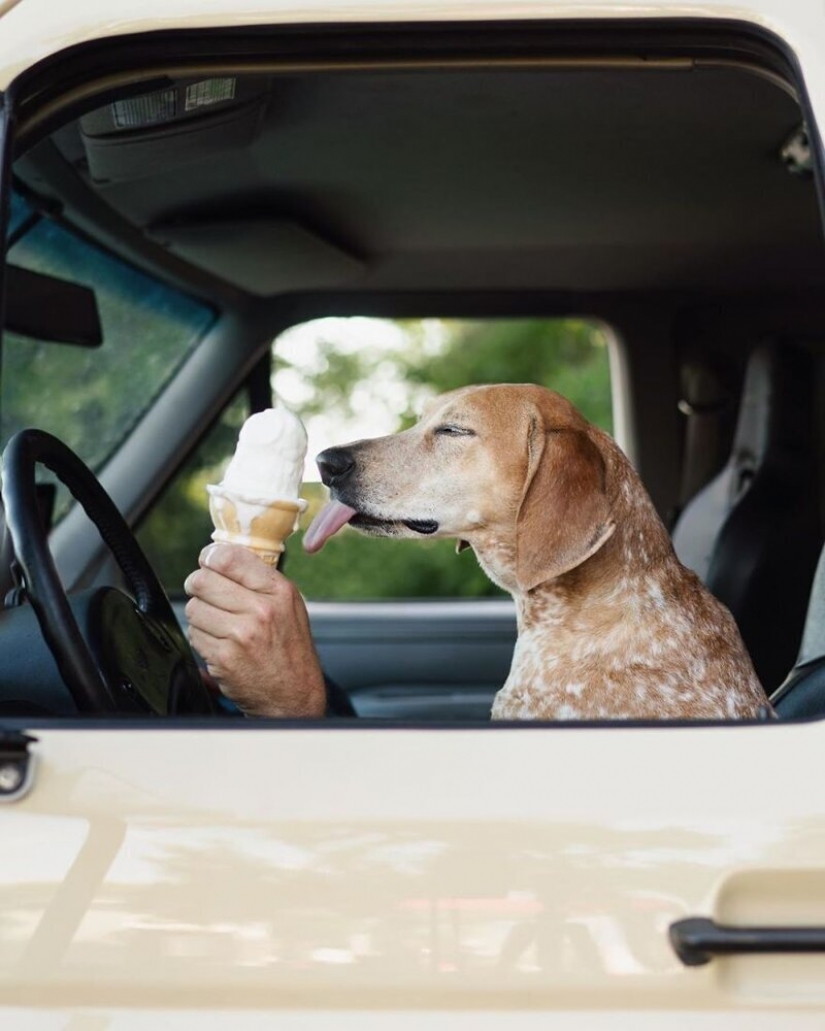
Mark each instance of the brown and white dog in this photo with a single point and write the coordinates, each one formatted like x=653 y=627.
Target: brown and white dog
x=611 y=625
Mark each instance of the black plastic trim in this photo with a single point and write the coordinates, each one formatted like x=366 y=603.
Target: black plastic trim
x=697 y=940
x=13 y=743
x=354 y=43
x=252 y=724
x=15 y=762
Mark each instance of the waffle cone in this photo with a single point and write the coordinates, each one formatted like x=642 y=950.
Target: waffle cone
x=262 y=528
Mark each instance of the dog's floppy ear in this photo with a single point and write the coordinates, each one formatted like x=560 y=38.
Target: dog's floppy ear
x=564 y=516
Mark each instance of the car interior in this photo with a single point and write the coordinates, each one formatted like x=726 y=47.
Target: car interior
x=177 y=200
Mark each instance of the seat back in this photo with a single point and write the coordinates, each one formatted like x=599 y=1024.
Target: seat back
x=803 y=692
x=753 y=534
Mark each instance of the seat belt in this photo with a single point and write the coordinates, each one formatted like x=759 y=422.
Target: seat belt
x=709 y=422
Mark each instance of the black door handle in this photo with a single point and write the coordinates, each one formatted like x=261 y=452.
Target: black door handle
x=697 y=940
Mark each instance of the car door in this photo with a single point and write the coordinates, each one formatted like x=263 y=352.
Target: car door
x=522 y=874
x=350 y=874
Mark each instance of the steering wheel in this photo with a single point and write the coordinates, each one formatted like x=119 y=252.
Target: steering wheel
x=133 y=655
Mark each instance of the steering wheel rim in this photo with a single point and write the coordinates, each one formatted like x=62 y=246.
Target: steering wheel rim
x=49 y=600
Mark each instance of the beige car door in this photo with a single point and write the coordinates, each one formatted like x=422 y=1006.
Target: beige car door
x=490 y=877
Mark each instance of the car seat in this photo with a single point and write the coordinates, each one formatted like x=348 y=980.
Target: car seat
x=753 y=533
x=803 y=692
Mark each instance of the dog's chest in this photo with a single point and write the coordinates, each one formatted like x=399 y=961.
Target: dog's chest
x=626 y=669
x=554 y=677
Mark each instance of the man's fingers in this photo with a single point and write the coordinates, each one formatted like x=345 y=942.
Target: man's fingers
x=216 y=653
x=228 y=577
x=226 y=609
x=253 y=623
x=240 y=565
x=239 y=572
x=208 y=619
x=250 y=625
x=217 y=590
x=281 y=598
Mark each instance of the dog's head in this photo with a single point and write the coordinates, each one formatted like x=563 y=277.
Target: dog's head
x=514 y=467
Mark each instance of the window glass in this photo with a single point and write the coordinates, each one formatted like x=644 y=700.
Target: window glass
x=91 y=398
x=356 y=377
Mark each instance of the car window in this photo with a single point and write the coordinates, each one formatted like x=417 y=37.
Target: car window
x=91 y=398
x=358 y=377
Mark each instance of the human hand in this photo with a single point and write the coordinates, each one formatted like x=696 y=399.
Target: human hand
x=250 y=625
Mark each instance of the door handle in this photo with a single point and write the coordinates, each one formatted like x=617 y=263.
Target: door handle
x=697 y=940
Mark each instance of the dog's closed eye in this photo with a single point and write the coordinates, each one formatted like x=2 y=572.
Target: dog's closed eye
x=451 y=430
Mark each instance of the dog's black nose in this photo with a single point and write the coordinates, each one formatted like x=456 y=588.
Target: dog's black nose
x=335 y=464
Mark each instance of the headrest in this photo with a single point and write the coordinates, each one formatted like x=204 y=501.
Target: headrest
x=774 y=421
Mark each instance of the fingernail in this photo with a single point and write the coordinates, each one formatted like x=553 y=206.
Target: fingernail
x=206 y=554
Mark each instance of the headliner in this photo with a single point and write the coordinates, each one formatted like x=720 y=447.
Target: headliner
x=619 y=179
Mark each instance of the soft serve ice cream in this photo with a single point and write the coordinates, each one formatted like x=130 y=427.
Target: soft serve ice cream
x=257 y=502
x=268 y=463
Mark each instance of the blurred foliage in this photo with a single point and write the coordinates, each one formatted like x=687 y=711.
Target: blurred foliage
x=179 y=525
x=568 y=355
x=337 y=373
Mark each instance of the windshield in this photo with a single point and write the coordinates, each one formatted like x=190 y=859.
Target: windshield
x=91 y=398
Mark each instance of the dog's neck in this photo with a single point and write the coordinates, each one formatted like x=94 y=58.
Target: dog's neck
x=626 y=562
x=596 y=592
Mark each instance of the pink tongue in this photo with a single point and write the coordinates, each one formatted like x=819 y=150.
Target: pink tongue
x=328 y=521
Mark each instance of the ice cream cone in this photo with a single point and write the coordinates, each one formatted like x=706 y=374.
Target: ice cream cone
x=258 y=525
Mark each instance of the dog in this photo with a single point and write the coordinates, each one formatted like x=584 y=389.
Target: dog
x=610 y=624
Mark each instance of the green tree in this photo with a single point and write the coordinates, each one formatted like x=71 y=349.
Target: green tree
x=567 y=355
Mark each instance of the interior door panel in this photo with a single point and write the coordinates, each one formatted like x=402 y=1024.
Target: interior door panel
x=408 y=660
